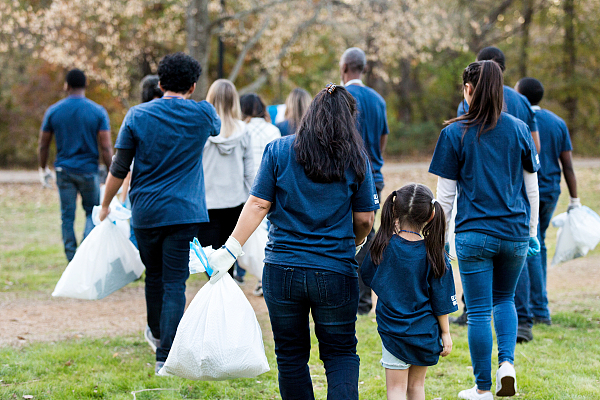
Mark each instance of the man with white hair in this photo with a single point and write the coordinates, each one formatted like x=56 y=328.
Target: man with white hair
x=373 y=127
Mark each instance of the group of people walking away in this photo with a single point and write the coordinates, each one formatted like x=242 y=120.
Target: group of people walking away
x=216 y=169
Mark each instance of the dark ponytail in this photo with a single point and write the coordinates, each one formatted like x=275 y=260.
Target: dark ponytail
x=434 y=233
x=413 y=205
x=488 y=96
x=386 y=229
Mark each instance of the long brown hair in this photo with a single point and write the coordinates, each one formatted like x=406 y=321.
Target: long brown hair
x=488 y=96
x=296 y=105
x=327 y=142
x=413 y=205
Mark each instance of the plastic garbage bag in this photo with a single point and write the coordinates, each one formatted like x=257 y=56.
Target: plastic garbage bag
x=105 y=262
x=118 y=215
x=199 y=258
x=218 y=337
x=579 y=232
x=254 y=251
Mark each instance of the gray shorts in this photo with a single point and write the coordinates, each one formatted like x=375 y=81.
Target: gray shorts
x=390 y=361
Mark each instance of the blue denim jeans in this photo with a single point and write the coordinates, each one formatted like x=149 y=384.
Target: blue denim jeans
x=291 y=294
x=489 y=270
x=531 y=297
x=69 y=184
x=165 y=253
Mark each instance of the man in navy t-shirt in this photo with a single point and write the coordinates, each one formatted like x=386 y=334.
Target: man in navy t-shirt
x=79 y=125
x=167 y=137
x=516 y=105
x=372 y=124
x=531 y=298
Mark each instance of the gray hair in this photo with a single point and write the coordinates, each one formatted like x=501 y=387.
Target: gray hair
x=355 y=59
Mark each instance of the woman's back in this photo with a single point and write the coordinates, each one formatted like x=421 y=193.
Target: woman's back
x=311 y=223
x=261 y=133
x=489 y=170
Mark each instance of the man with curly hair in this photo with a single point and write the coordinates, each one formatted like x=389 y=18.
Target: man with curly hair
x=167 y=137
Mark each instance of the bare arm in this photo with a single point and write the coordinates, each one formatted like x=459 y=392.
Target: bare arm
x=253 y=213
x=125 y=187
x=105 y=147
x=536 y=140
x=567 y=166
x=383 y=142
x=112 y=187
x=44 y=147
x=446 y=338
x=362 y=223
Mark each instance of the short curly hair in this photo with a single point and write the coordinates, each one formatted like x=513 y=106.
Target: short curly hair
x=178 y=72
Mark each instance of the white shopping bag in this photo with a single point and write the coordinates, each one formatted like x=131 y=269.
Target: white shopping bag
x=579 y=232
x=218 y=337
x=254 y=251
x=105 y=262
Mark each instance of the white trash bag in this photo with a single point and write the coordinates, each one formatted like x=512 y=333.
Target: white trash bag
x=104 y=262
x=254 y=251
x=579 y=232
x=218 y=337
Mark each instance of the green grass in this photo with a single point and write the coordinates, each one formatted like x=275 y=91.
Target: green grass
x=563 y=362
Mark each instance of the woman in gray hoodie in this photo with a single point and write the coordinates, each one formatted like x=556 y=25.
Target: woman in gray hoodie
x=228 y=166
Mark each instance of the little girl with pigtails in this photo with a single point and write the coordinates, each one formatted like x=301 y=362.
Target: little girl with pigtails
x=410 y=272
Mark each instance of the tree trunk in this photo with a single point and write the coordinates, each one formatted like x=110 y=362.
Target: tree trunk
x=569 y=64
x=523 y=58
x=198 y=40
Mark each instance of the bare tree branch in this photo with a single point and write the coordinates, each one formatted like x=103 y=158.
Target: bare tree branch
x=251 y=43
x=242 y=14
x=262 y=78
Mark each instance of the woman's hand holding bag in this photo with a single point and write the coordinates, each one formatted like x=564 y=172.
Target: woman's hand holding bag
x=222 y=259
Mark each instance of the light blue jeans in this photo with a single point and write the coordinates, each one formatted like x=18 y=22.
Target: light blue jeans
x=489 y=270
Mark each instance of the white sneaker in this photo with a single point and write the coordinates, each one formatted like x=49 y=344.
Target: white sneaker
x=506 y=380
x=154 y=343
x=472 y=394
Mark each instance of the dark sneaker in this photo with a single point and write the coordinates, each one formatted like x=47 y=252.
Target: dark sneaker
x=543 y=321
x=239 y=280
x=158 y=366
x=461 y=320
x=153 y=342
x=258 y=290
x=524 y=334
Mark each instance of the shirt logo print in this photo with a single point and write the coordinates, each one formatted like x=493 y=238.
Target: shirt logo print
x=453 y=298
x=375 y=199
x=537 y=158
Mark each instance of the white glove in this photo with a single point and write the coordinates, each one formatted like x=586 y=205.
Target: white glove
x=45 y=177
x=360 y=246
x=574 y=202
x=222 y=259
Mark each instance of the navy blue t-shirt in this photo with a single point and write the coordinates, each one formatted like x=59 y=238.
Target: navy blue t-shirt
x=284 y=128
x=515 y=104
x=167 y=182
x=409 y=299
x=75 y=122
x=555 y=138
x=492 y=198
x=311 y=223
x=372 y=124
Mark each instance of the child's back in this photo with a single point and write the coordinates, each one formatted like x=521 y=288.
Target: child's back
x=409 y=299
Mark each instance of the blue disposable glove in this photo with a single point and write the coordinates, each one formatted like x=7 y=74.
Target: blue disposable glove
x=534 y=246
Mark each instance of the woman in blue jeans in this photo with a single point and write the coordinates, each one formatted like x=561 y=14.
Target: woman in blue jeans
x=489 y=158
x=318 y=190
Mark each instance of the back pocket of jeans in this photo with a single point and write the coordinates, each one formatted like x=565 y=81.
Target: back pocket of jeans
x=277 y=282
x=469 y=245
x=521 y=249
x=334 y=288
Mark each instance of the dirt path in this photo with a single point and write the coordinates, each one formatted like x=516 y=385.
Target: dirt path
x=42 y=318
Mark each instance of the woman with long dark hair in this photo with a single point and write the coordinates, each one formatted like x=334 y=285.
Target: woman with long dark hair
x=490 y=157
x=318 y=190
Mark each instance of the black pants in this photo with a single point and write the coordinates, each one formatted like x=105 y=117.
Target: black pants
x=216 y=232
x=365 y=302
x=165 y=253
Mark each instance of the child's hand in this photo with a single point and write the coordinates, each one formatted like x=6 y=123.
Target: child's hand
x=447 y=343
